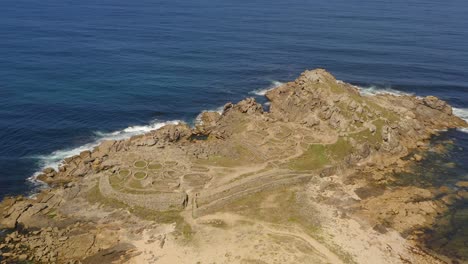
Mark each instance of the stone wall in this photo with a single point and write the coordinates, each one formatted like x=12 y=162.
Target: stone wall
x=163 y=201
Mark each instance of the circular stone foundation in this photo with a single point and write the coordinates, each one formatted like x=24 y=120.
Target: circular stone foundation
x=140 y=164
x=124 y=172
x=140 y=175
x=154 y=166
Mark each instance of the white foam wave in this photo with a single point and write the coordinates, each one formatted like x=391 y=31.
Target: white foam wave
x=55 y=158
x=132 y=131
x=262 y=92
x=375 y=90
x=463 y=114
x=218 y=110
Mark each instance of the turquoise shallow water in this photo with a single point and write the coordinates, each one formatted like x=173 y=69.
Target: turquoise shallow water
x=75 y=72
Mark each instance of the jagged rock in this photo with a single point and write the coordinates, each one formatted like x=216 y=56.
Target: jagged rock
x=172 y=133
x=227 y=107
x=443 y=190
x=207 y=121
x=81 y=171
x=449 y=199
x=462 y=184
x=103 y=149
x=462 y=194
x=27 y=218
x=249 y=106
x=210 y=118
x=417 y=157
x=85 y=154
x=13 y=213
x=150 y=142
x=352 y=105
x=311 y=121
x=242 y=138
x=372 y=128
x=435 y=103
x=48 y=170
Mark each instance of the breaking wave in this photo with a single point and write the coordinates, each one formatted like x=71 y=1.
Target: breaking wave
x=198 y=120
x=55 y=158
x=463 y=114
x=373 y=90
x=262 y=92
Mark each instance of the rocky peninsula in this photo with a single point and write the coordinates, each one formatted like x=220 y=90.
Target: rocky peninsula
x=306 y=179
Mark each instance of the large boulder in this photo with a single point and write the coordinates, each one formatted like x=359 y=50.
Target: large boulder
x=248 y=106
x=206 y=121
x=437 y=104
x=172 y=133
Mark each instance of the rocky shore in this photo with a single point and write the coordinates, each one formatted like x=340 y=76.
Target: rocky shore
x=308 y=179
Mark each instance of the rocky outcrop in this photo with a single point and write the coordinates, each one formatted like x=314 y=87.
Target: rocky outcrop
x=247 y=106
x=206 y=122
x=437 y=104
x=316 y=127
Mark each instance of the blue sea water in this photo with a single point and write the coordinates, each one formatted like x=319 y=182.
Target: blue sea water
x=75 y=72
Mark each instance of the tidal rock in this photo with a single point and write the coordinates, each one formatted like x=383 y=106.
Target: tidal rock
x=417 y=157
x=85 y=154
x=48 y=170
x=207 y=121
x=462 y=184
x=103 y=149
x=435 y=103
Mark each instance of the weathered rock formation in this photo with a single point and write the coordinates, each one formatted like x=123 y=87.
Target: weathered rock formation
x=316 y=128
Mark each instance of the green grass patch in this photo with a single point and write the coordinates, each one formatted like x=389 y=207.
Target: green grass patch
x=52 y=214
x=314 y=157
x=339 y=150
x=367 y=136
x=318 y=156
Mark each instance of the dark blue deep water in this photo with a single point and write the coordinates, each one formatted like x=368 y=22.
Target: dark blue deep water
x=73 y=72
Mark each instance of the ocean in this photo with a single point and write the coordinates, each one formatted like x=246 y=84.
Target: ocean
x=73 y=73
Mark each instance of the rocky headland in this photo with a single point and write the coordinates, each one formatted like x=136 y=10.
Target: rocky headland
x=310 y=178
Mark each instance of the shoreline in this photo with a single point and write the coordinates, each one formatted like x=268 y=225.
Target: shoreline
x=290 y=134
x=136 y=130
x=460 y=112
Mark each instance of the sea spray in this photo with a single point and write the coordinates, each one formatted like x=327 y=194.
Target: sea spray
x=262 y=92
x=375 y=90
x=463 y=114
x=198 y=120
x=55 y=158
